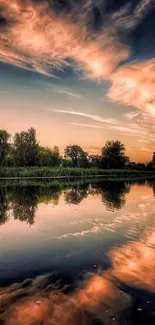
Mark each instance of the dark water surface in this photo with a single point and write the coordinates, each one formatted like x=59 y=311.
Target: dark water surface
x=99 y=237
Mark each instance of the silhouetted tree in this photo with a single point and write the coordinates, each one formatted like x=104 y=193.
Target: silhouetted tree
x=66 y=163
x=26 y=148
x=76 y=155
x=153 y=160
x=25 y=151
x=136 y=166
x=151 y=183
x=56 y=156
x=95 y=161
x=150 y=166
x=113 y=155
x=49 y=157
x=4 y=146
x=10 y=159
x=140 y=166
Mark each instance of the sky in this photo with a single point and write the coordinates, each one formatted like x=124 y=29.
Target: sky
x=79 y=72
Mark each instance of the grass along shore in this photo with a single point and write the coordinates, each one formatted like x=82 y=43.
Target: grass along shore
x=53 y=173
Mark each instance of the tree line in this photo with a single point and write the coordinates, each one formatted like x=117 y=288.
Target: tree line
x=23 y=150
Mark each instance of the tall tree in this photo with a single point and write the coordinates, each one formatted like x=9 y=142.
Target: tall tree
x=76 y=155
x=26 y=148
x=113 y=155
x=4 y=146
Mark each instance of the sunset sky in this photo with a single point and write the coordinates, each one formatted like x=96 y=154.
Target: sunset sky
x=79 y=73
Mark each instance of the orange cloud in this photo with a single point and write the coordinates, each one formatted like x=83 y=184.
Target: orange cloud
x=100 y=297
x=134 y=85
x=134 y=264
x=37 y=37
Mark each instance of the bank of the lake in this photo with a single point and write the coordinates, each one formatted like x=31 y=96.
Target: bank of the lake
x=60 y=173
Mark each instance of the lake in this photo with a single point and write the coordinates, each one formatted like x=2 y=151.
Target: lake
x=89 y=240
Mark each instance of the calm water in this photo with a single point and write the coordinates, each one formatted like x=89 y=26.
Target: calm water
x=72 y=231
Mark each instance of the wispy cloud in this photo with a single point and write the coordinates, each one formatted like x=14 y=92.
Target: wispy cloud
x=146 y=149
x=131 y=115
x=130 y=130
x=69 y=93
x=133 y=85
x=93 y=230
x=35 y=36
x=96 y=118
x=40 y=39
x=86 y=125
x=143 y=141
x=93 y=149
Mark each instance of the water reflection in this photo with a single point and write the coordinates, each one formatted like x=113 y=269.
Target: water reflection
x=24 y=203
x=76 y=194
x=114 y=194
x=4 y=207
x=24 y=200
x=75 y=230
x=100 y=299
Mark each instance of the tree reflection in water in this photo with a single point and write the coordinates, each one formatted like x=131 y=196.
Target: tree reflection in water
x=24 y=204
x=24 y=199
x=76 y=194
x=4 y=207
x=114 y=194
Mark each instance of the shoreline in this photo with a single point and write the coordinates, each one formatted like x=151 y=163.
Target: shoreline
x=45 y=173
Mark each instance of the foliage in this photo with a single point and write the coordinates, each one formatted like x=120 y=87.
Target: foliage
x=153 y=160
x=20 y=199
x=26 y=148
x=95 y=161
x=4 y=207
x=77 y=156
x=150 y=166
x=48 y=157
x=76 y=194
x=113 y=155
x=66 y=163
x=4 y=146
x=23 y=150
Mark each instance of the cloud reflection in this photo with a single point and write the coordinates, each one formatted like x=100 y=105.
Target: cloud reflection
x=100 y=297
